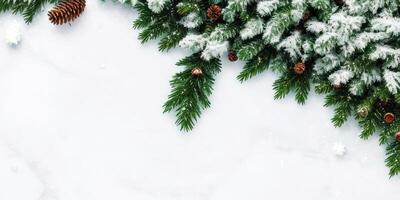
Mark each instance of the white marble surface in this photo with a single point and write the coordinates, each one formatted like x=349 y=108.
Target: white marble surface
x=81 y=119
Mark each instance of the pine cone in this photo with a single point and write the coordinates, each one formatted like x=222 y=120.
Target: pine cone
x=197 y=71
x=232 y=56
x=397 y=136
x=389 y=118
x=337 y=88
x=214 y=12
x=363 y=112
x=299 y=68
x=384 y=105
x=66 y=11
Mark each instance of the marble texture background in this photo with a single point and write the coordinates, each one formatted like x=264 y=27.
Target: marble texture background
x=81 y=119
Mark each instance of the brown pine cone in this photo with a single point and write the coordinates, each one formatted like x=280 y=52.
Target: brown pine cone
x=384 y=104
x=232 y=56
x=197 y=71
x=337 y=88
x=214 y=12
x=397 y=136
x=66 y=11
x=389 y=118
x=299 y=68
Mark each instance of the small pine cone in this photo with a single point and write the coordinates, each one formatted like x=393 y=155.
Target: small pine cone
x=197 y=71
x=299 y=68
x=381 y=104
x=66 y=11
x=384 y=104
x=232 y=56
x=397 y=136
x=337 y=88
x=363 y=112
x=214 y=12
x=389 y=118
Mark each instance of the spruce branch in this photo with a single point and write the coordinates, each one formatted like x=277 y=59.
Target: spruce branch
x=190 y=94
x=302 y=88
x=367 y=119
x=343 y=107
x=282 y=86
x=257 y=65
x=393 y=158
x=145 y=16
x=388 y=131
x=322 y=87
x=342 y=112
x=187 y=7
x=368 y=126
x=289 y=81
x=172 y=38
x=279 y=23
x=153 y=31
x=248 y=51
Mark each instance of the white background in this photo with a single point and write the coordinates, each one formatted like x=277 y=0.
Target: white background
x=81 y=119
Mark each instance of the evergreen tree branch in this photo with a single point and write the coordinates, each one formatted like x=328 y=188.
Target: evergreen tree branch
x=393 y=158
x=257 y=65
x=190 y=94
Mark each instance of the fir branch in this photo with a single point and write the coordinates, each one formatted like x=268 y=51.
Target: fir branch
x=257 y=65
x=302 y=88
x=223 y=32
x=250 y=50
x=282 y=86
x=370 y=121
x=289 y=81
x=153 y=31
x=322 y=87
x=187 y=7
x=145 y=16
x=189 y=95
x=342 y=112
x=172 y=39
x=388 y=130
x=393 y=158
x=343 y=107
x=278 y=25
x=368 y=126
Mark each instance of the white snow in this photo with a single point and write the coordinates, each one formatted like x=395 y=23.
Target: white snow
x=12 y=33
